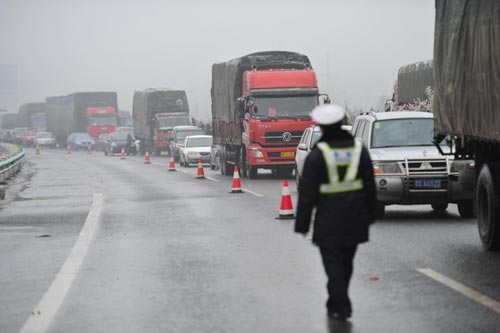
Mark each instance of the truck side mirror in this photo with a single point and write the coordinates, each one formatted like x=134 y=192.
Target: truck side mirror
x=240 y=106
x=326 y=100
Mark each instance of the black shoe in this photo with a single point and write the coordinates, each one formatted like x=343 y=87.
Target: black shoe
x=338 y=315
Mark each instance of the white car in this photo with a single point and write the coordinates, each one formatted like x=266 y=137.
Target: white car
x=309 y=138
x=45 y=139
x=193 y=148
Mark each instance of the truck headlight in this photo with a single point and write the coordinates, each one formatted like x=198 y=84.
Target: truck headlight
x=380 y=168
x=256 y=153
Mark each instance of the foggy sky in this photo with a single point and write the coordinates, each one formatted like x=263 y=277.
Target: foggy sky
x=64 y=46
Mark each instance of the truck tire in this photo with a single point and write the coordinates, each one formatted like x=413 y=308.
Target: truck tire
x=488 y=207
x=225 y=168
x=466 y=208
x=439 y=207
x=222 y=165
x=142 y=148
x=252 y=172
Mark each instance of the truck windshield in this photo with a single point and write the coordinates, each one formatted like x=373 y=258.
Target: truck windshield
x=168 y=123
x=283 y=107
x=102 y=120
x=403 y=132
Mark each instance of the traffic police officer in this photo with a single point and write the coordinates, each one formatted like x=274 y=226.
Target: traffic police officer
x=338 y=180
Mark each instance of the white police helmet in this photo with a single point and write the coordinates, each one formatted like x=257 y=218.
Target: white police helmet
x=327 y=114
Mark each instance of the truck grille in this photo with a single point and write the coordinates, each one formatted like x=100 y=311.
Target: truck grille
x=279 y=137
x=426 y=167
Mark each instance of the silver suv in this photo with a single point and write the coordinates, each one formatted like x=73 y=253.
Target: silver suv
x=408 y=167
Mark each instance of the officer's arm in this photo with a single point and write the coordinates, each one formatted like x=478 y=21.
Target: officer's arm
x=308 y=190
x=366 y=172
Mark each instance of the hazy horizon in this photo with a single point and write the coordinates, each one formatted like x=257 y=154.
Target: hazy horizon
x=60 y=47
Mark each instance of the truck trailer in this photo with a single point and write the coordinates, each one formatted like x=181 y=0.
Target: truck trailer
x=260 y=108
x=88 y=112
x=467 y=99
x=155 y=113
x=31 y=115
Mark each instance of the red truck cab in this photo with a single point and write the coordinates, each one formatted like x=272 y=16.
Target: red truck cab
x=277 y=104
x=101 y=120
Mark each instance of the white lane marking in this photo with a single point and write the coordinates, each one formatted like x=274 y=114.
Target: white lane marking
x=253 y=193
x=463 y=289
x=45 y=311
x=212 y=179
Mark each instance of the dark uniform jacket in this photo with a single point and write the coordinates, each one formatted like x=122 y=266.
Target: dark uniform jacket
x=341 y=218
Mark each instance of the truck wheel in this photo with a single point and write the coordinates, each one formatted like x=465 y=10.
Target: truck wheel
x=466 y=208
x=222 y=165
x=488 y=207
x=439 y=207
x=243 y=163
x=379 y=211
x=251 y=172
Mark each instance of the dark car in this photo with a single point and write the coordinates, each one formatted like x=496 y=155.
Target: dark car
x=119 y=141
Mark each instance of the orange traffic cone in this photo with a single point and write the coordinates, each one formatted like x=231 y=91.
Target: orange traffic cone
x=68 y=149
x=111 y=151
x=147 y=160
x=89 y=149
x=200 y=174
x=236 y=188
x=122 y=155
x=37 y=149
x=171 y=164
x=286 y=208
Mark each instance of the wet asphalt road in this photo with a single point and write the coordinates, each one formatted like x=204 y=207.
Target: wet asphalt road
x=175 y=254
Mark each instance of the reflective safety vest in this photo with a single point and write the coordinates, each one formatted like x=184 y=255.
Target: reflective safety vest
x=348 y=157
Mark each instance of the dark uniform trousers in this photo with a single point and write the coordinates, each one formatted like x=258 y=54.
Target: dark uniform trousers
x=338 y=262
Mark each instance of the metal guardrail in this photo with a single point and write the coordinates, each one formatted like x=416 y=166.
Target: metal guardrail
x=10 y=164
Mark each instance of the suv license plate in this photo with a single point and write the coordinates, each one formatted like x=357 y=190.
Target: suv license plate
x=428 y=183
x=287 y=154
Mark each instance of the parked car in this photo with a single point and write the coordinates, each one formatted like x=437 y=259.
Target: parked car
x=179 y=133
x=24 y=136
x=309 y=138
x=45 y=139
x=101 y=139
x=80 y=141
x=194 y=148
x=408 y=167
x=120 y=141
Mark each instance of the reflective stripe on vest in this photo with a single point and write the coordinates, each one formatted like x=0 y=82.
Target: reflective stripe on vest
x=334 y=158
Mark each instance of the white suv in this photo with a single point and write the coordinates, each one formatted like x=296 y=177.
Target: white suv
x=408 y=167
